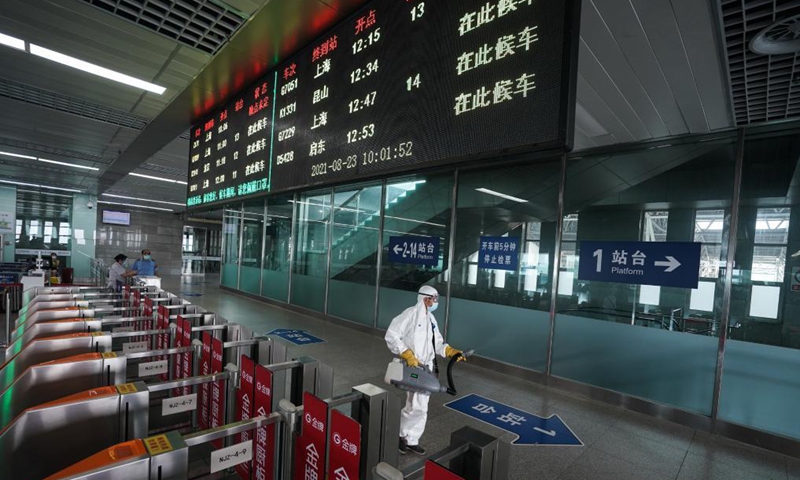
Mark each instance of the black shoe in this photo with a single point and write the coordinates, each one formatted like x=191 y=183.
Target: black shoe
x=416 y=449
x=403 y=446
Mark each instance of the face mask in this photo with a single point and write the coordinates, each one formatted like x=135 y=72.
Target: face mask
x=433 y=307
x=146 y=257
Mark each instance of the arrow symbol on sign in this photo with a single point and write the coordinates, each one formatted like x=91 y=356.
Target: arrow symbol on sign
x=551 y=433
x=396 y=251
x=671 y=264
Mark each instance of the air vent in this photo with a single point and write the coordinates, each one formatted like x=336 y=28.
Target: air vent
x=202 y=24
x=63 y=103
x=763 y=85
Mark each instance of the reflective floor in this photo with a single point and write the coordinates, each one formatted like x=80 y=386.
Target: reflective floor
x=619 y=445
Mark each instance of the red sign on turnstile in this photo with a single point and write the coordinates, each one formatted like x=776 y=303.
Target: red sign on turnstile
x=244 y=406
x=345 y=442
x=205 y=389
x=264 y=460
x=182 y=367
x=162 y=339
x=217 y=390
x=147 y=311
x=434 y=471
x=136 y=303
x=310 y=453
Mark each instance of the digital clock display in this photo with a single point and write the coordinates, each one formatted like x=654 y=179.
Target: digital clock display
x=398 y=86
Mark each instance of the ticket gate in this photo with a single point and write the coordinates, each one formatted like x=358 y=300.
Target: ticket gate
x=48 y=349
x=54 y=379
x=108 y=415
x=168 y=456
x=471 y=455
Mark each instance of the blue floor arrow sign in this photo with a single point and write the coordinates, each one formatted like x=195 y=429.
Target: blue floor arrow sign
x=297 y=337
x=529 y=428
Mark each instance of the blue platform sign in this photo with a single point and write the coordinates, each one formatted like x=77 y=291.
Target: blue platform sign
x=414 y=249
x=530 y=429
x=500 y=253
x=297 y=337
x=665 y=264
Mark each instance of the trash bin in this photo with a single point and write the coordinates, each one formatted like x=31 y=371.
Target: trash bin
x=67 y=275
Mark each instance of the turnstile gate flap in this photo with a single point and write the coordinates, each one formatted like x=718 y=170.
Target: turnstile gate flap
x=82 y=357
x=118 y=454
x=76 y=397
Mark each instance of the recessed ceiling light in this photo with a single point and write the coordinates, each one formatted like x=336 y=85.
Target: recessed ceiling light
x=12 y=42
x=9 y=154
x=161 y=179
x=501 y=195
x=69 y=164
x=41 y=186
x=136 y=206
x=94 y=69
x=143 y=199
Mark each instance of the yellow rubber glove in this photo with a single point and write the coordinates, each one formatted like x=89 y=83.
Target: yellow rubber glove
x=410 y=358
x=450 y=352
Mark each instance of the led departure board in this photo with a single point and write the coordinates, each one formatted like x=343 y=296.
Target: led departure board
x=398 y=86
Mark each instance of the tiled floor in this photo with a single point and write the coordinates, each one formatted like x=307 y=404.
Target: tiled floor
x=619 y=444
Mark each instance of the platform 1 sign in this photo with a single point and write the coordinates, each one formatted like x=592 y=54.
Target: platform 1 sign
x=664 y=264
x=415 y=250
x=530 y=429
x=297 y=337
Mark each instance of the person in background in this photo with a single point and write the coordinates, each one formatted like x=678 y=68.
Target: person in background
x=414 y=336
x=117 y=273
x=55 y=269
x=145 y=266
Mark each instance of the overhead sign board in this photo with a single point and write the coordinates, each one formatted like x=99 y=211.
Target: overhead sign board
x=499 y=253
x=665 y=264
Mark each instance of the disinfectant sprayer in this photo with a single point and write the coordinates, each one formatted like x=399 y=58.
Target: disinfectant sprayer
x=416 y=379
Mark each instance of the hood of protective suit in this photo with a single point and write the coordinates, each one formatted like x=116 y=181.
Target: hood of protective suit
x=412 y=330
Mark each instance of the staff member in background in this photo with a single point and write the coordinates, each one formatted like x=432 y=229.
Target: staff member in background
x=145 y=266
x=117 y=273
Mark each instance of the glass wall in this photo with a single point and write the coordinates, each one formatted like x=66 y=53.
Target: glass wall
x=417 y=206
x=231 y=225
x=277 y=248
x=354 y=252
x=310 y=269
x=252 y=240
x=653 y=342
x=328 y=251
x=760 y=384
x=518 y=202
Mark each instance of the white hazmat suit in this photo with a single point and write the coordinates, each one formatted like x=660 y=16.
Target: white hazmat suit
x=416 y=329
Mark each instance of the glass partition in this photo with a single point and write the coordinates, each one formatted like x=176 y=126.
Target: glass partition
x=503 y=310
x=658 y=343
x=417 y=206
x=354 y=252
x=277 y=248
x=252 y=238
x=231 y=220
x=310 y=269
x=762 y=355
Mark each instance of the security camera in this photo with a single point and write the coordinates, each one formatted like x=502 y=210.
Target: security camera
x=89 y=205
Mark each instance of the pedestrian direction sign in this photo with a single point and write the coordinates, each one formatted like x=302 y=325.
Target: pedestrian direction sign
x=665 y=264
x=415 y=250
x=530 y=429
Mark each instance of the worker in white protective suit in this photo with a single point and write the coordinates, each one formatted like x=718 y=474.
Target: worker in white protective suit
x=414 y=336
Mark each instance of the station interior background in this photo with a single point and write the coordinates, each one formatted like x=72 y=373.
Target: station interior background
x=684 y=168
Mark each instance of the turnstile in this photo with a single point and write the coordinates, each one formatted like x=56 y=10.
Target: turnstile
x=134 y=409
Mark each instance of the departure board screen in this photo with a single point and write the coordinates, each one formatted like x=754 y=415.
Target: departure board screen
x=398 y=86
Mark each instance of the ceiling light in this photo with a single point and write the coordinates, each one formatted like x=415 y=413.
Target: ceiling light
x=94 y=69
x=143 y=199
x=501 y=195
x=68 y=164
x=181 y=182
x=12 y=42
x=46 y=193
x=9 y=154
x=136 y=206
x=156 y=178
x=41 y=186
